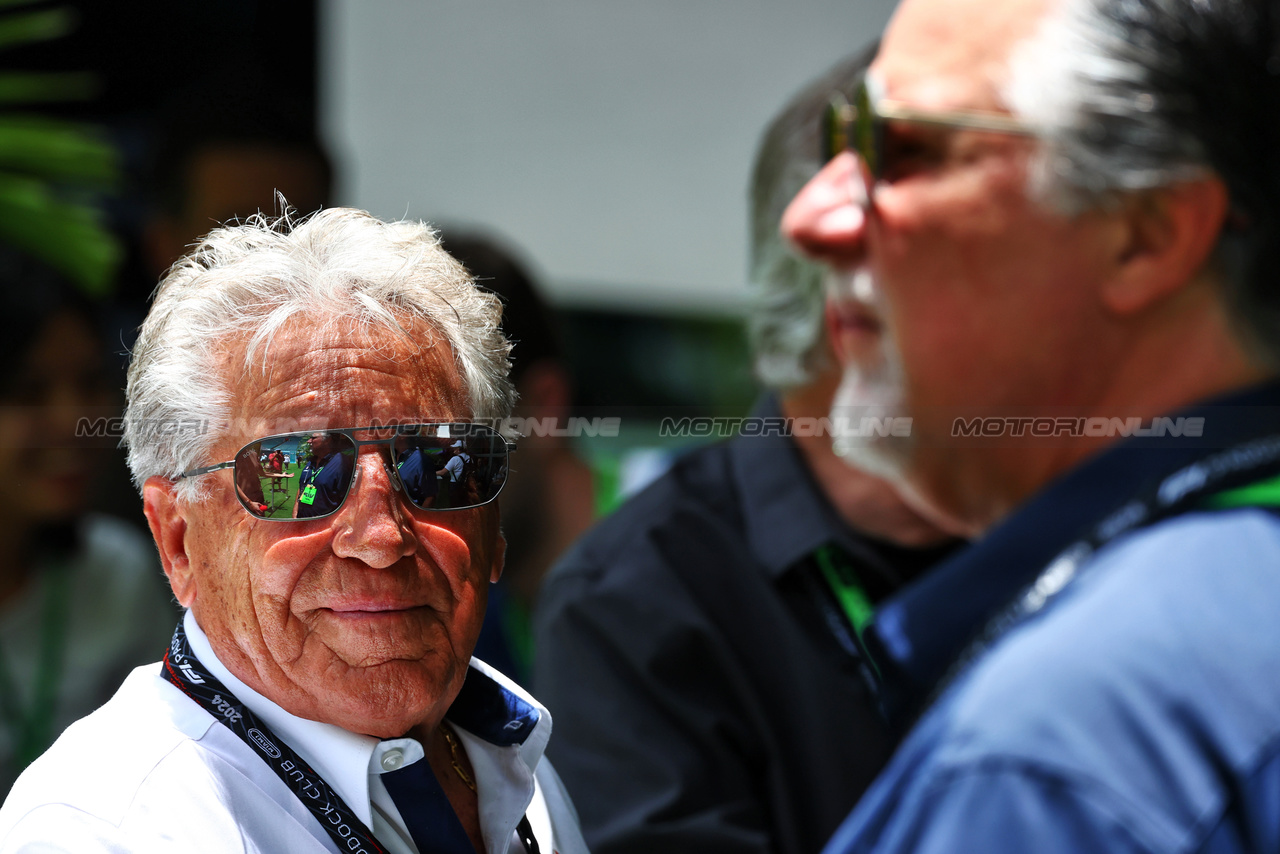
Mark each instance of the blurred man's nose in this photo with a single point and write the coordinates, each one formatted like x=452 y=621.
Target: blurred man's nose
x=827 y=219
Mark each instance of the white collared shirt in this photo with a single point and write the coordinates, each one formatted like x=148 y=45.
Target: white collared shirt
x=151 y=770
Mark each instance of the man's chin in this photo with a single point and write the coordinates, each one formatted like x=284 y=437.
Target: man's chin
x=384 y=701
x=871 y=424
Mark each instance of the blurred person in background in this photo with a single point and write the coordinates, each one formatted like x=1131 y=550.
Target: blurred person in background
x=221 y=153
x=1061 y=221
x=700 y=647
x=226 y=153
x=82 y=598
x=550 y=496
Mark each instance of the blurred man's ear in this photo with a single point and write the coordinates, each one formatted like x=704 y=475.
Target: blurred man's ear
x=169 y=528
x=1168 y=235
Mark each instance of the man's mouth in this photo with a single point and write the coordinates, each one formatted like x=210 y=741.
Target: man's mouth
x=372 y=608
x=855 y=318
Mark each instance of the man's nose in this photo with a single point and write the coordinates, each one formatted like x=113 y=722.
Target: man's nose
x=827 y=219
x=374 y=526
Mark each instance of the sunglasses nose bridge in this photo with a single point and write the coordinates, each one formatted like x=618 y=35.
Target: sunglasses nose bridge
x=374 y=495
x=375 y=457
x=373 y=526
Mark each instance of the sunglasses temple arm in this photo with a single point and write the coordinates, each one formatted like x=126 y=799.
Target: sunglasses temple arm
x=996 y=122
x=206 y=469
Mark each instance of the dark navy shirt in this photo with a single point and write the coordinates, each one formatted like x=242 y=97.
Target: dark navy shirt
x=1140 y=711
x=703 y=701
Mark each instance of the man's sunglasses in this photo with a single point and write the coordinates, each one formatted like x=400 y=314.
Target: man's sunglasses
x=857 y=124
x=309 y=474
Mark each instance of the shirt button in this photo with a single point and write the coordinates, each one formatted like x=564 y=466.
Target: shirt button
x=392 y=759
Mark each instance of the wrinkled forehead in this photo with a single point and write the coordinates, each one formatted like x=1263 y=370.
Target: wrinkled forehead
x=954 y=54
x=316 y=374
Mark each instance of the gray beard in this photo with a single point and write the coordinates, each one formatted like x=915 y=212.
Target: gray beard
x=869 y=394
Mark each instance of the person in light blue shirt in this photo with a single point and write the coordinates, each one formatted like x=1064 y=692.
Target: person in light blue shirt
x=1053 y=236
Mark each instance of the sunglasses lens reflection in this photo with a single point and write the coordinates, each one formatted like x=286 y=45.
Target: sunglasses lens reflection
x=866 y=130
x=295 y=475
x=451 y=466
x=308 y=475
x=853 y=127
x=834 y=130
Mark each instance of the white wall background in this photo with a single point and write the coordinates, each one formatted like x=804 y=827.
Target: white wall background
x=611 y=140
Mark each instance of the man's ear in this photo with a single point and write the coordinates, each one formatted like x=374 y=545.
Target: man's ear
x=169 y=528
x=1168 y=237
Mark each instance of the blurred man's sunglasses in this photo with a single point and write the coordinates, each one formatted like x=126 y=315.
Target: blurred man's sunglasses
x=857 y=123
x=309 y=474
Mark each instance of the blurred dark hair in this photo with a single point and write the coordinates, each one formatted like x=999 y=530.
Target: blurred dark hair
x=33 y=294
x=214 y=114
x=527 y=320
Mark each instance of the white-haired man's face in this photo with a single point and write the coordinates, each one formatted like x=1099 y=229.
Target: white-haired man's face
x=957 y=295
x=365 y=618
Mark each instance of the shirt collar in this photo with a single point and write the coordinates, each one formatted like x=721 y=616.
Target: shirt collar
x=786 y=515
x=505 y=731
x=917 y=634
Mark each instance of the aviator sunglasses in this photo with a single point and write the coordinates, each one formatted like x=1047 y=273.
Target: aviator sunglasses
x=857 y=123
x=310 y=473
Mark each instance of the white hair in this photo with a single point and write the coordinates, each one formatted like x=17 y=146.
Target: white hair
x=1134 y=95
x=244 y=282
x=785 y=326
x=1086 y=83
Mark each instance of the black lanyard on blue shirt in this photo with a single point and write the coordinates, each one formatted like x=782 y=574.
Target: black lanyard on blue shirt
x=1245 y=475
x=183 y=669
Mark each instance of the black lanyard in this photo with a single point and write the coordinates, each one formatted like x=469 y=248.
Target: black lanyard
x=184 y=670
x=181 y=668
x=1246 y=475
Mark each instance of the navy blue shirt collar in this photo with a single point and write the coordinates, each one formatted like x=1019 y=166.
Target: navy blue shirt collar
x=487 y=709
x=917 y=634
x=787 y=515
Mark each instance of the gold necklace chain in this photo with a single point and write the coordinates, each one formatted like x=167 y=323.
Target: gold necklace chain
x=453 y=756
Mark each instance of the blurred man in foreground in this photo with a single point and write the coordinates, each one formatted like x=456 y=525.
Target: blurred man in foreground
x=700 y=647
x=1053 y=237
x=318 y=695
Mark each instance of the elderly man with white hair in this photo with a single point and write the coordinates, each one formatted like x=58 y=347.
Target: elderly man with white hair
x=1054 y=236
x=320 y=693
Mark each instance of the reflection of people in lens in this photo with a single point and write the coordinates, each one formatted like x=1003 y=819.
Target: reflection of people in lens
x=452 y=472
x=328 y=483
x=417 y=474
x=308 y=464
x=249 y=481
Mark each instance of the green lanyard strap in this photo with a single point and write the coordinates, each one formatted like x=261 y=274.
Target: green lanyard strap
x=841 y=576
x=1264 y=493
